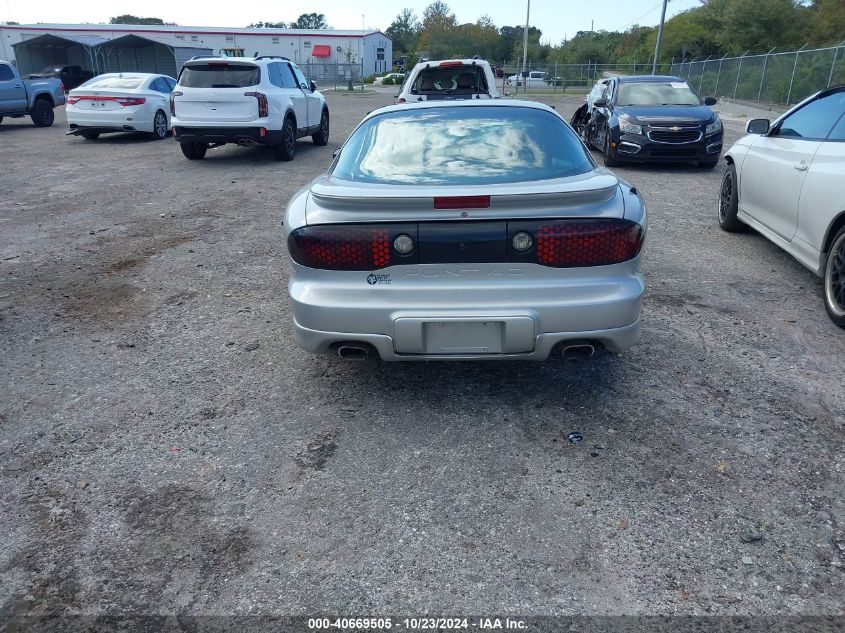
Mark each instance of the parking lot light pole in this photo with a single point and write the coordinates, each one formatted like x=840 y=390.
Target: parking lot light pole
x=524 y=51
x=659 y=38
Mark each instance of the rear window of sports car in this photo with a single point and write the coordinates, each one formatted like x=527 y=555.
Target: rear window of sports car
x=220 y=75
x=462 y=145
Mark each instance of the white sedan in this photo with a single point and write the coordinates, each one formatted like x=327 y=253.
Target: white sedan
x=121 y=102
x=787 y=181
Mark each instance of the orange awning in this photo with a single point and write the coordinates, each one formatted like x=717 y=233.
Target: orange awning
x=322 y=50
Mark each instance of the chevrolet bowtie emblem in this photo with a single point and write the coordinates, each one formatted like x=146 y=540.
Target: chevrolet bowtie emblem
x=675 y=128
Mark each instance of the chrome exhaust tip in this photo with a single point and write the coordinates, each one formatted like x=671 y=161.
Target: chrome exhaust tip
x=578 y=351
x=246 y=142
x=353 y=352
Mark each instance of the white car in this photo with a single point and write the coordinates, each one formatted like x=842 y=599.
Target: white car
x=787 y=181
x=121 y=102
x=535 y=79
x=389 y=77
x=449 y=80
x=262 y=100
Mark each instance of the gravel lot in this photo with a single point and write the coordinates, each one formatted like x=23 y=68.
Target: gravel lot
x=166 y=448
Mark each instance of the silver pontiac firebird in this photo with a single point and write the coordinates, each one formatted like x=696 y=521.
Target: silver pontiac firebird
x=465 y=230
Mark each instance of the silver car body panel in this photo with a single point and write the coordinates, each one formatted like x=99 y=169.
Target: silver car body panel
x=417 y=312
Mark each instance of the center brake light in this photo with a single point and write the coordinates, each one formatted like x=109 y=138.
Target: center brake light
x=451 y=63
x=263 y=105
x=462 y=202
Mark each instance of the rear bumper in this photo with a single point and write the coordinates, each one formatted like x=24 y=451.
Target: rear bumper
x=129 y=119
x=99 y=129
x=614 y=340
x=256 y=135
x=534 y=308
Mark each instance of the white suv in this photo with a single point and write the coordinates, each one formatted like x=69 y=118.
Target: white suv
x=245 y=100
x=449 y=80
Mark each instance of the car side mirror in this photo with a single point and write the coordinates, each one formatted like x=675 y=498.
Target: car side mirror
x=313 y=86
x=600 y=103
x=758 y=126
x=335 y=152
x=710 y=101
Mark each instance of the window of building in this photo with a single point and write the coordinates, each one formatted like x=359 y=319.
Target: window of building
x=195 y=38
x=180 y=37
x=306 y=44
x=275 y=40
x=230 y=38
x=233 y=52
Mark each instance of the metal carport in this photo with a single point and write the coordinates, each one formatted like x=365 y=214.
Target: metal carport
x=149 y=53
x=41 y=51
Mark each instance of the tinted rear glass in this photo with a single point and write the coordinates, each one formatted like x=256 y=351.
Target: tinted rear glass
x=219 y=76
x=663 y=93
x=469 y=145
x=119 y=83
x=450 y=80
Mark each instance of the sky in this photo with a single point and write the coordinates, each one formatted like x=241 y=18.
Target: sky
x=556 y=18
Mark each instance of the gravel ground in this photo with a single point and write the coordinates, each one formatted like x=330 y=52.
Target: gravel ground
x=166 y=448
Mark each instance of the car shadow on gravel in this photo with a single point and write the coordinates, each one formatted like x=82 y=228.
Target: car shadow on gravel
x=436 y=386
x=118 y=138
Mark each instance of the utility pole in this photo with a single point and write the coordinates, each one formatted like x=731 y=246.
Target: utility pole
x=659 y=38
x=524 y=50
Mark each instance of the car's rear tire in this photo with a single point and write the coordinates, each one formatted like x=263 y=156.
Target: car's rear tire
x=321 y=138
x=90 y=136
x=834 y=280
x=194 y=151
x=609 y=158
x=709 y=164
x=1 y=119
x=286 y=150
x=160 y=131
x=729 y=202
x=42 y=113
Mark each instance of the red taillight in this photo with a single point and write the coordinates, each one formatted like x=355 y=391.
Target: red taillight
x=72 y=100
x=571 y=243
x=62 y=84
x=401 y=100
x=347 y=247
x=173 y=96
x=263 y=106
x=461 y=202
x=130 y=101
x=451 y=63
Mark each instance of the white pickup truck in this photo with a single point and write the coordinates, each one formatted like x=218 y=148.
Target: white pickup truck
x=34 y=97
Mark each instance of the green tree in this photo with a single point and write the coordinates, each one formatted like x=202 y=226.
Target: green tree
x=404 y=31
x=438 y=31
x=310 y=21
x=758 y=25
x=134 y=19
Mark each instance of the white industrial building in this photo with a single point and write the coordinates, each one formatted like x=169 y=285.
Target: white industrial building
x=323 y=54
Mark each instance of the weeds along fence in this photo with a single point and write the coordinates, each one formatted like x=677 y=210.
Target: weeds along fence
x=775 y=78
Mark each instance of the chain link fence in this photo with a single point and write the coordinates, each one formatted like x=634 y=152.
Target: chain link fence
x=559 y=78
x=771 y=78
x=337 y=75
